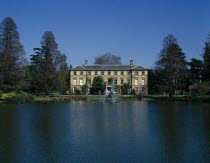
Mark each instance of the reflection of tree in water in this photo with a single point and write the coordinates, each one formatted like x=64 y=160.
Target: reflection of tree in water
x=8 y=134
x=171 y=119
x=52 y=132
x=205 y=113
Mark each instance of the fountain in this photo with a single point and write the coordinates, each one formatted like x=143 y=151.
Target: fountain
x=111 y=97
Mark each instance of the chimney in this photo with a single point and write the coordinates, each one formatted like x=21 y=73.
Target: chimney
x=86 y=62
x=131 y=62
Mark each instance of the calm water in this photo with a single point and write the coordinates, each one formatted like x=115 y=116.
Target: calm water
x=101 y=132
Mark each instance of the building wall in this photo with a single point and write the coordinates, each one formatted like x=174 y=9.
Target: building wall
x=136 y=75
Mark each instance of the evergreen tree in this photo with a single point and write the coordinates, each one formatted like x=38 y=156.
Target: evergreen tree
x=48 y=66
x=206 y=60
x=12 y=53
x=196 y=68
x=97 y=85
x=172 y=66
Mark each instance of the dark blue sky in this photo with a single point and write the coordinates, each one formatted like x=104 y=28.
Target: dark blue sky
x=133 y=29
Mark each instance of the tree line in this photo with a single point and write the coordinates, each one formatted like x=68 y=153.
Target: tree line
x=48 y=70
x=174 y=75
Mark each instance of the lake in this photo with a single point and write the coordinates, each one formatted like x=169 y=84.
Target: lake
x=105 y=132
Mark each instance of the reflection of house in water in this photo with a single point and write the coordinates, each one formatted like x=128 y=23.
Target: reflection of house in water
x=135 y=75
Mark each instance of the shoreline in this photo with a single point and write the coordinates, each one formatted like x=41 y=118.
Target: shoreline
x=29 y=98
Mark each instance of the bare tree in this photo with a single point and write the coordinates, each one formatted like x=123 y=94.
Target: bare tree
x=108 y=59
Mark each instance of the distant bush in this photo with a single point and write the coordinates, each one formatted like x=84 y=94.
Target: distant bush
x=129 y=98
x=0 y=95
x=133 y=92
x=19 y=98
x=125 y=88
x=77 y=92
x=8 y=95
x=67 y=98
x=85 y=89
x=199 y=89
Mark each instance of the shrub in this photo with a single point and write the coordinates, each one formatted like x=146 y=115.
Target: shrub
x=85 y=89
x=133 y=92
x=125 y=88
x=77 y=92
x=0 y=95
x=199 y=89
x=129 y=98
x=19 y=98
x=8 y=95
x=139 y=96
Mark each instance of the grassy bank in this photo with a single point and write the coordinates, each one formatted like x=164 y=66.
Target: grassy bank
x=178 y=97
x=23 y=97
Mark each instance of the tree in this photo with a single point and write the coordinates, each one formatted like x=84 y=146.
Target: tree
x=172 y=64
x=85 y=89
x=48 y=66
x=108 y=59
x=125 y=88
x=206 y=60
x=196 y=68
x=97 y=85
x=12 y=54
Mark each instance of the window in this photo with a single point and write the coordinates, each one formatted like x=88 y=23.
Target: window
x=81 y=72
x=136 y=89
x=89 y=72
x=143 y=82
x=81 y=82
x=75 y=88
x=129 y=81
x=109 y=73
x=115 y=73
x=122 y=81
x=74 y=81
x=75 y=73
x=102 y=72
x=136 y=81
x=96 y=73
x=128 y=73
x=89 y=81
x=122 y=73
x=115 y=81
x=136 y=73
x=142 y=89
x=110 y=81
x=143 y=72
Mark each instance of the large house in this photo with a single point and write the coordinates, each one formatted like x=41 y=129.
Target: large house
x=135 y=75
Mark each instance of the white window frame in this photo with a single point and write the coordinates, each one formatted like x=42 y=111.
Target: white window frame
x=142 y=81
x=80 y=81
x=74 y=81
x=136 y=81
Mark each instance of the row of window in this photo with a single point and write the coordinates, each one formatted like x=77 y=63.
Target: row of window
x=109 y=73
x=136 y=89
x=136 y=81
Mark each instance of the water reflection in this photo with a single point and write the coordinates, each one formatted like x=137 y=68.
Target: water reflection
x=103 y=132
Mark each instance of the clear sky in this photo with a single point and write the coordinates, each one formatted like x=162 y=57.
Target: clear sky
x=133 y=29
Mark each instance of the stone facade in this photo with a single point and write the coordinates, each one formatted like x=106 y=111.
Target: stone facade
x=135 y=75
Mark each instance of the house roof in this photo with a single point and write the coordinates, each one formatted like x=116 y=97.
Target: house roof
x=109 y=67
